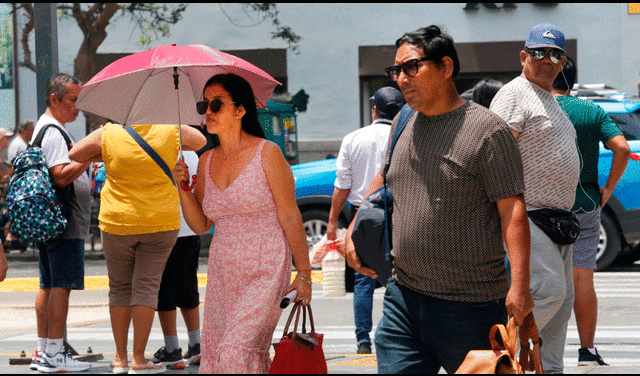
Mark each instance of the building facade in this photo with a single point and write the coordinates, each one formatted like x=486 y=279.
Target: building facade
x=345 y=47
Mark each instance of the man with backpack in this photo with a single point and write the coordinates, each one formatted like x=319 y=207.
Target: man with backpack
x=62 y=257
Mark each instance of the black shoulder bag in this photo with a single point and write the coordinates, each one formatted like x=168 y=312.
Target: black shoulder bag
x=371 y=234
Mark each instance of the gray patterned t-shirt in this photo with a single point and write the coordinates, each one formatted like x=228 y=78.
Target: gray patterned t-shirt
x=446 y=173
x=547 y=141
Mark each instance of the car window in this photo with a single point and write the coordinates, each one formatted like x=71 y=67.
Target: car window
x=629 y=124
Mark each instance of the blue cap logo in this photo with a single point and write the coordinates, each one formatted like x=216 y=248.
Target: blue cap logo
x=545 y=35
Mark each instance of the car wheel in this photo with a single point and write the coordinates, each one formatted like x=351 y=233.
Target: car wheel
x=315 y=225
x=609 y=243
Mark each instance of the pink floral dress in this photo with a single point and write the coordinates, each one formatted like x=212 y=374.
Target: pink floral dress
x=248 y=273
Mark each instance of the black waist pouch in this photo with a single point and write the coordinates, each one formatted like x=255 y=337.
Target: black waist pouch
x=560 y=225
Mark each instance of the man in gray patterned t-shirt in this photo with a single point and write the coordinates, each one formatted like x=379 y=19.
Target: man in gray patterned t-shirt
x=457 y=182
x=547 y=141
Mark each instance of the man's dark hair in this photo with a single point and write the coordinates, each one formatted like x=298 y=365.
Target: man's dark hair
x=485 y=90
x=567 y=78
x=57 y=85
x=434 y=43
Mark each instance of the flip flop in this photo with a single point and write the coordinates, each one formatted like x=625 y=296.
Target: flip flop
x=118 y=369
x=148 y=369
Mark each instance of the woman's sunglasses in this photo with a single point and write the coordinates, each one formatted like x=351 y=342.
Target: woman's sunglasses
x=555 y=56
x=214 y=106
x=410 y=68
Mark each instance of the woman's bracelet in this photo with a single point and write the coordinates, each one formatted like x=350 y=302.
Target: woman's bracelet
x=304 y=278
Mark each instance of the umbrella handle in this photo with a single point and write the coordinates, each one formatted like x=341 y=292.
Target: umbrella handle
x=185 y=184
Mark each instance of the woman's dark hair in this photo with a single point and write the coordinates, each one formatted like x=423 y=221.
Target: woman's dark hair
x=434 y=43
x=485 y=90
x=567 y=78
x=242 y=94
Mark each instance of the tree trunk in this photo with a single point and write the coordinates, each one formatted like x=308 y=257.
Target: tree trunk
x=84 y=69
x=94 y=34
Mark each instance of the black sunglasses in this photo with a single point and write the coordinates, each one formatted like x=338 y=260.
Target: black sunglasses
x=410 y=68
x=554 y=55
x=214 y=106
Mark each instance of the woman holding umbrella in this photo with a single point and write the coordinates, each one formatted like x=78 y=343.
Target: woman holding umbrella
x=247 y=190
x=139 y=220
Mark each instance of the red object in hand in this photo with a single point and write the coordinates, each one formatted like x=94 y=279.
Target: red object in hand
x=186 y=187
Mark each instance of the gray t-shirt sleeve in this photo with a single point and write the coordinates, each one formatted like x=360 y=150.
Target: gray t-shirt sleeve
x=507 y=105
x=501 y=165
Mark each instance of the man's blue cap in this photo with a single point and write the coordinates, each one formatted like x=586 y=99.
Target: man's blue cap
x=545 y=35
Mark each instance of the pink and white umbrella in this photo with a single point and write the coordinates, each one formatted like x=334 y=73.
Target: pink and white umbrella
x=139 y=88
x=162 y=85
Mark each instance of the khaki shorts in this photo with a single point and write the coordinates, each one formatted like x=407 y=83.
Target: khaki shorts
x=135 y=264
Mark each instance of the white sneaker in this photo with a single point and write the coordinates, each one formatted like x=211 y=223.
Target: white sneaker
x=35 y=360
x=61 y=362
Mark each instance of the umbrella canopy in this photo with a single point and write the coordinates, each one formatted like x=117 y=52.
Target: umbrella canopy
x=140 y=89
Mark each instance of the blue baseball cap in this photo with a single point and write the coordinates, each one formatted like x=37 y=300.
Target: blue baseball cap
x=545 y=35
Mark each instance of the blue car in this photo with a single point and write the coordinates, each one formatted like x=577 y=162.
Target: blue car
x=620 y=229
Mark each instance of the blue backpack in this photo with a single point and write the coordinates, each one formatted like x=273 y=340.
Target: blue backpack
x=33 y=210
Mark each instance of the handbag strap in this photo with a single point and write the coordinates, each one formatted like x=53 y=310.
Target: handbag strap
x=293 y=312
x=405 y=114
x=509 y=337
x=152 y=153
x=530 y=360
x=304 y=318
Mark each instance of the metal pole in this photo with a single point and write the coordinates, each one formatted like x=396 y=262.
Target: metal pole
x=46 y=28
x=16 y=86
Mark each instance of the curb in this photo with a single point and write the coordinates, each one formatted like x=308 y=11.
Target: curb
x=32 y=254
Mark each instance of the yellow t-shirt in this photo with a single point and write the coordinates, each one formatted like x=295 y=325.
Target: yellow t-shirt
x=138 y=197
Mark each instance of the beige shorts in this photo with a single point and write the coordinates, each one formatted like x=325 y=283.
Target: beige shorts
x=135 y=264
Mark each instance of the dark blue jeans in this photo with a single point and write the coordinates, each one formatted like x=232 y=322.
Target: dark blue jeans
x=363 y=290
x=61 y=264
x=420 y=334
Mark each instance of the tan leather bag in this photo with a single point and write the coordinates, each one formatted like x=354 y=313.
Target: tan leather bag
x=503 y=360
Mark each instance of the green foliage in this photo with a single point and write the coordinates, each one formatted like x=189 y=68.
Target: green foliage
x=153 y=18
x=260 y=12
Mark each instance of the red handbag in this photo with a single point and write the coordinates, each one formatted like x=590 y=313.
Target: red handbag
x=298 y=353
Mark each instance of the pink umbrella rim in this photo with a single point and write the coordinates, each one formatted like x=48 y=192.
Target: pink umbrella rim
x=199 y=47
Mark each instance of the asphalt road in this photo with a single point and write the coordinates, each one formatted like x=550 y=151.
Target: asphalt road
x=617 y=338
